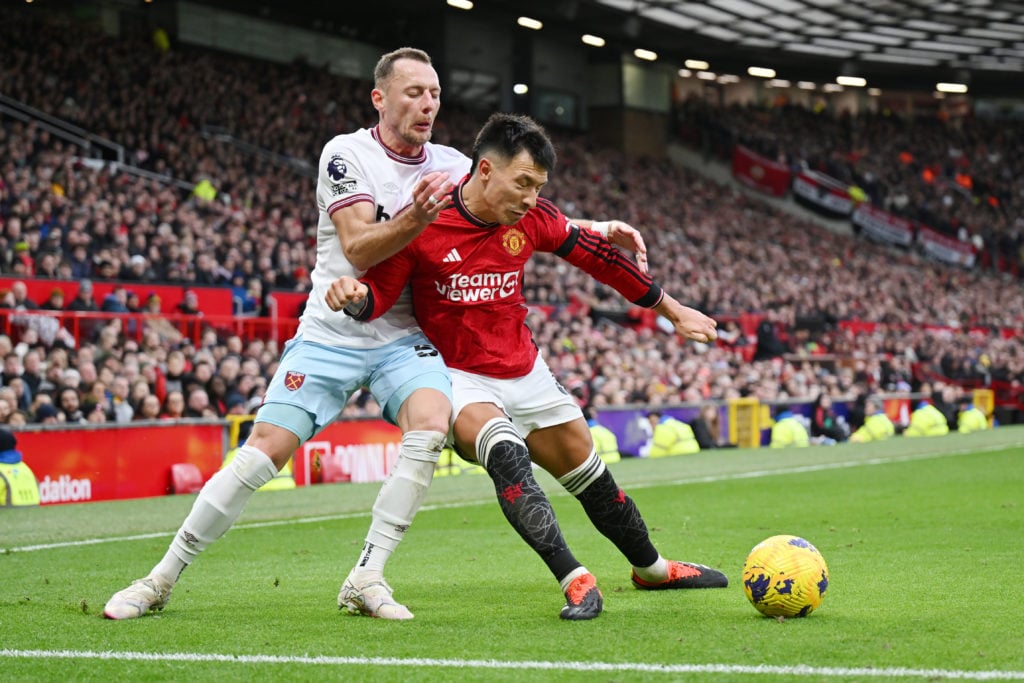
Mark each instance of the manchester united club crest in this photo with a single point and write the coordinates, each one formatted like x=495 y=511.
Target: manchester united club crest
x=513 y=240
x=293 y=380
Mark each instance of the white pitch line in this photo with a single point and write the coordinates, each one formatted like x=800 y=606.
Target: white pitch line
x=493 y=664
x=755 y=474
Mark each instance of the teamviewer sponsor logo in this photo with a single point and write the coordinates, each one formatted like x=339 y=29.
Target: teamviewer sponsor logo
x=478 y=286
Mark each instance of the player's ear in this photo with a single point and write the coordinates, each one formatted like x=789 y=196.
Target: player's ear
x=484 y=167
x=377 y=98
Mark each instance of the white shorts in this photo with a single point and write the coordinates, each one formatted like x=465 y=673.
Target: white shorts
x=533 y=401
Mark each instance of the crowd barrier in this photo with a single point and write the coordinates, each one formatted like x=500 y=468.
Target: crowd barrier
x=85 y=463
x=91 y=463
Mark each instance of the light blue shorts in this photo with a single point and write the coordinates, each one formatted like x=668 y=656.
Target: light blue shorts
x=319 y=379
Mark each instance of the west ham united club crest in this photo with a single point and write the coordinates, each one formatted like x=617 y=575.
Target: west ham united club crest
x=337 y=168
x=513 y=240
x=293 y=380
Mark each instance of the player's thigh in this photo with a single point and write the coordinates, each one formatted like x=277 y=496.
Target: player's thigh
x=311 y=386
x=411 y=383
x=561 y=448
x=278 y=443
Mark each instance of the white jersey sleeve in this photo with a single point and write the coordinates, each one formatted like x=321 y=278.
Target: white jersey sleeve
x=355 y=168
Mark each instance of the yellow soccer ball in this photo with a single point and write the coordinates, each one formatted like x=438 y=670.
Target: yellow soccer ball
x=785 y=576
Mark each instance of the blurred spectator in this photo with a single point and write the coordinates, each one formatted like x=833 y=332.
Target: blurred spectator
x=22 y=301
x=148 y=408
x=670 y=436
x=971 y=419
x=926 y=420
x=189 y=304
x=116 y=301
x=826 y=426
x=788 y=431
x=707 y=428
x=47 y=414
x=198 y=405
x=70 y=406
x=120 y=403
x=83 y=300
x=31 y=367
x=55 y=300
x=18 y=485
x=174 y=406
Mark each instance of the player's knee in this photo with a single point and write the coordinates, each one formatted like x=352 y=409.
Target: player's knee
x=253 y=467
x=425 y=410
x=499 y=434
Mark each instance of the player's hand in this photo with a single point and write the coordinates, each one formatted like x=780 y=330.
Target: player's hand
x=432 y=194
x=343 y=291
x=626 y=236
x=694 y=325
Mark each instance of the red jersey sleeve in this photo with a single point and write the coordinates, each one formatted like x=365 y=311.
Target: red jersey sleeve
x=589 y=252
x=385 y=282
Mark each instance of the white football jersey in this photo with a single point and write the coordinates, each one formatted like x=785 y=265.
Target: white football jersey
x=354 y=168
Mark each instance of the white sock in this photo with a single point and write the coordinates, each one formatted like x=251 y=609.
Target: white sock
x=216 y=508
x=400 y=497
x=656 y=572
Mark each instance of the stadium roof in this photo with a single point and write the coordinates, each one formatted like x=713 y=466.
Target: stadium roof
x=925 y=39
x=911 y=44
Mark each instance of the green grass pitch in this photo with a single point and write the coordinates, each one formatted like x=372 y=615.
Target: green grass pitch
x=924 y=540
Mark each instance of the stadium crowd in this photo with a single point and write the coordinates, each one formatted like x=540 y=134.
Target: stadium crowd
x=63 y=216
x=959 y=175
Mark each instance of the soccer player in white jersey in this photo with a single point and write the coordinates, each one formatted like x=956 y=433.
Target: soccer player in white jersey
x=377 y=189
x=465 y=271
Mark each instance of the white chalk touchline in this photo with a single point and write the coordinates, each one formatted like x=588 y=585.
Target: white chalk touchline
x=754 y=474
x=422 y=662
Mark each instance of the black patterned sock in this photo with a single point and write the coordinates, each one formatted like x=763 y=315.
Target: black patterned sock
x=615 y=515
x=525 y=506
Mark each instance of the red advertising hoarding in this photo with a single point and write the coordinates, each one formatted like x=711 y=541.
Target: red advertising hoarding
x=356 y=450
x=83 y=464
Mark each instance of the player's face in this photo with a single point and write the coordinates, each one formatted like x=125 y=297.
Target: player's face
x=512 y=188
x=407 y=104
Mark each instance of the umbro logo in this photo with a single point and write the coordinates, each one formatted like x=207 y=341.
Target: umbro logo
x=452 y=257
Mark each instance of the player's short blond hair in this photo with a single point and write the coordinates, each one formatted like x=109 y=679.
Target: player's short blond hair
x=386 y=64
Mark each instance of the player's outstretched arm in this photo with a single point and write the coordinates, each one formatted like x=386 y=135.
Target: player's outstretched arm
x=689 y=322
x=366 y=242
x=620 y=234
x=344 y=291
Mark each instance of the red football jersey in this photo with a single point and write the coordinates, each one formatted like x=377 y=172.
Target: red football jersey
x=467 y=283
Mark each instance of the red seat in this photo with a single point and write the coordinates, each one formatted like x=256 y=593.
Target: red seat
x=186 y=478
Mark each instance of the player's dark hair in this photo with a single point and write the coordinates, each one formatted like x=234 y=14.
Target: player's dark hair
x=509 y=134
x=386 y=64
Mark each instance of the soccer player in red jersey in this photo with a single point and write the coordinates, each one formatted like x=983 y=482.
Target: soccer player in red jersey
x=466 y=271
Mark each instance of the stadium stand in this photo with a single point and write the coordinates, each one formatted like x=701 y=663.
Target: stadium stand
x=206 y=188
